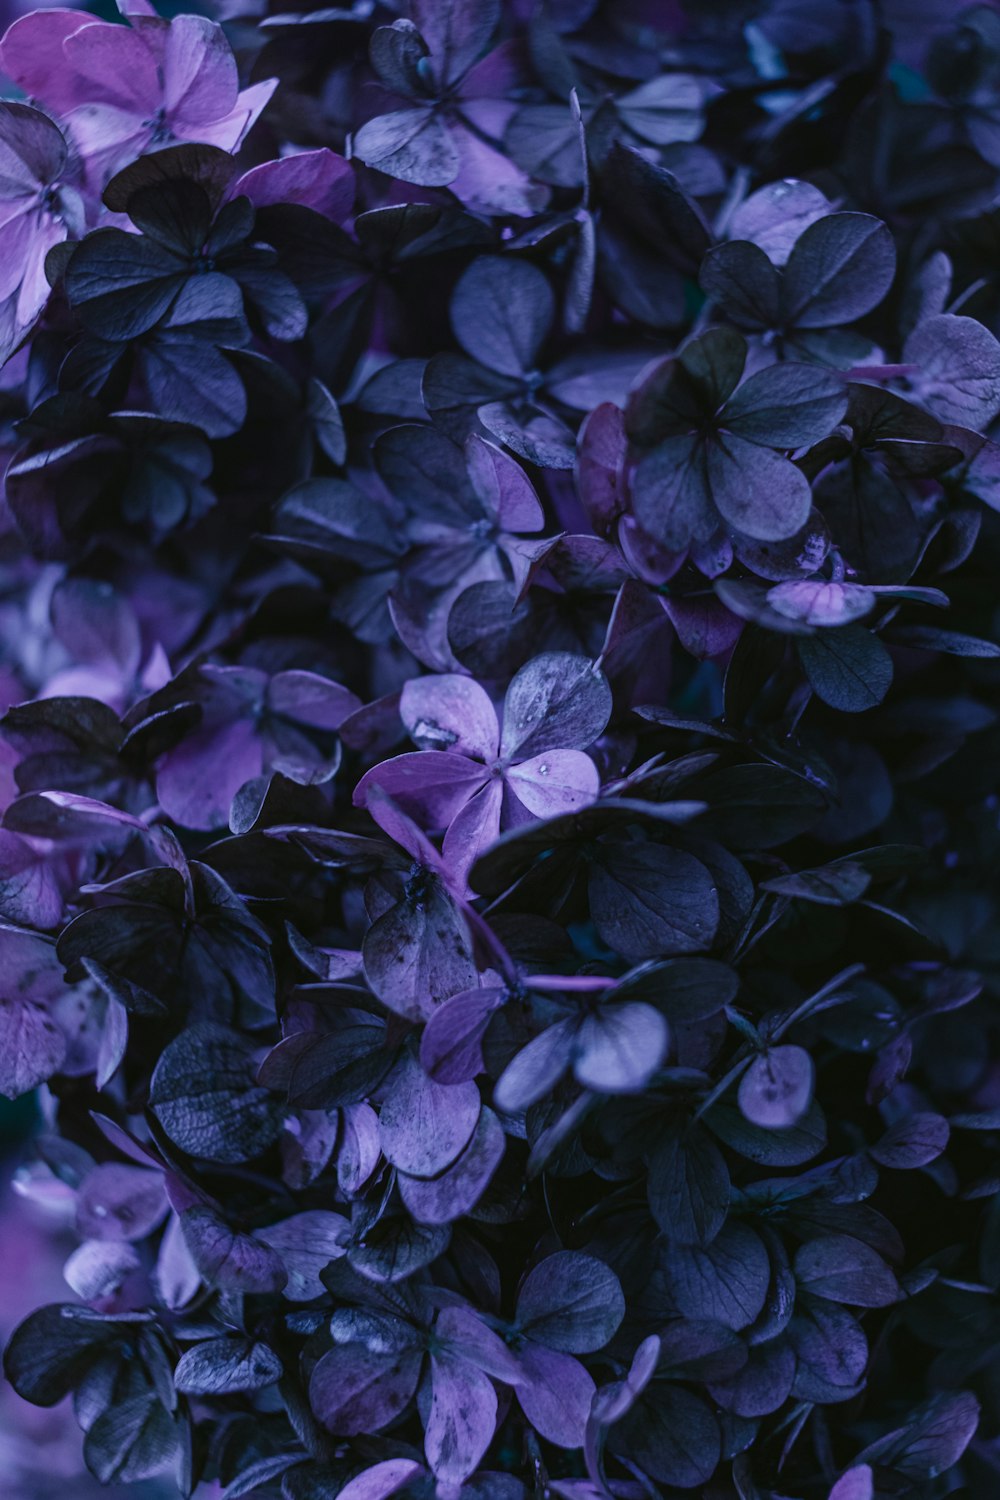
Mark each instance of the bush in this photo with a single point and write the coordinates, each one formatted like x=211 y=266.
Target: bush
x=497 y=874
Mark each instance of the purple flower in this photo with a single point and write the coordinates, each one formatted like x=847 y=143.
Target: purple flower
x=40 y=1019
x=123 y=90
x=369 y=1376
x=250 y=725
x=474 y=777
x=39 y=208
x=450 y=132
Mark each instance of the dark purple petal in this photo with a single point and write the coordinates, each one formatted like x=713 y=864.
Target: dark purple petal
x=817 y=602
x=451 y=1047
x=32 y=1046
x=457 y=33
x=412 y=144
x=726 y=1281
x=501 y=312
x=469 y=1338
x=787 y=406
x=536 y=1069
x=649 y=900
x=432 y=785
x=756 y=491
x=570 y=1302
x=423 y=1125
x=601 y=446
x=228 y=1259
x=419 y=953
x=856 y=1484
x=353 y=1389
x=842 y=1269
x=912 y=1142
x=774 y=216
x=197 y=782
x=840 y=267
x=689 y=1186
x=381 y=1480
x=219 y=1367
x=307 y=1243
x=503 y=488
x=958 y=361
x=317 y=179
x=557 y=700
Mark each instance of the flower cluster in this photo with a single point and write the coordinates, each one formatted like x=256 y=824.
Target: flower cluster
x=499 y=758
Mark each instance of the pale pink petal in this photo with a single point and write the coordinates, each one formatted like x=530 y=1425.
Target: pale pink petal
x=559 y=781
x=450 y=712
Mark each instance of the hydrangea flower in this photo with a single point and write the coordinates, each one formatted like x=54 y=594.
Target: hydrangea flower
x=495 y=596
x=39 y=208
x=123 y=90
x=473 y=776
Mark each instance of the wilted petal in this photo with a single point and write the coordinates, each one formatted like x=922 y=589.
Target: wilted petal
x=462 y=1418
x=355 y=1390
x=449 y=712
x=357 y=1148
